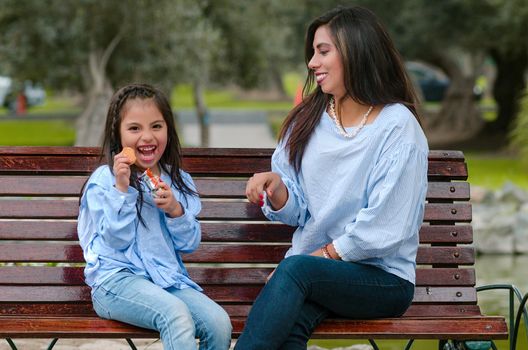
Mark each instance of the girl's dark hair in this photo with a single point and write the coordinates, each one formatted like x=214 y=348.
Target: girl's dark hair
x=171 y=159
x=373 y=70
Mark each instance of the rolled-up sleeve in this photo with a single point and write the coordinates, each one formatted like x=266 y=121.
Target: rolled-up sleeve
x=396 y=196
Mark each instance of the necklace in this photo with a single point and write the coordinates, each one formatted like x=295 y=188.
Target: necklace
x=340 y=129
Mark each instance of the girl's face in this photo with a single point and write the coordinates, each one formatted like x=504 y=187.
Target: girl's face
x=326 y=63
x=143 y=129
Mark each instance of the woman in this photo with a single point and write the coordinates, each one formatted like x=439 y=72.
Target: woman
x=350 y=172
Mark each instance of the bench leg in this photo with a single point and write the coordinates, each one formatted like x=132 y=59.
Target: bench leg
x=52 y=344
x=131 y=344
x=11 y=344
x=409 y=344
x=373 y=344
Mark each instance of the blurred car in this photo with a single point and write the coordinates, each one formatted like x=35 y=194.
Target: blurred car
x=432 y=82
x=34 y=93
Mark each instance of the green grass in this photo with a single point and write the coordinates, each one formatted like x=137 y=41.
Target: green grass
x=492 y=171
x=182 y=98
x=36 y=133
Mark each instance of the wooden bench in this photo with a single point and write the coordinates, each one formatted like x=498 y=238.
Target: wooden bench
x=43 y=295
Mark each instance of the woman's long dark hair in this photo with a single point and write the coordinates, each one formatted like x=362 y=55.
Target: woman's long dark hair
x=171 y=159
x=373 y=70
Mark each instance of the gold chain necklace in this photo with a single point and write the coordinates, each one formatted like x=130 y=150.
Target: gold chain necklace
x=340 y=129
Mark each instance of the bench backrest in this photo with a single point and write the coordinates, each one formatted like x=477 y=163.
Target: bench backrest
x=41 y=262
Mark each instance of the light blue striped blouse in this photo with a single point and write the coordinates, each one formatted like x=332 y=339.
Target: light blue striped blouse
x=365 y=194
x=112 y=238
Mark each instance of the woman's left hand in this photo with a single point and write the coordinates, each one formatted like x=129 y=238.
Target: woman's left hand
x=166 y=201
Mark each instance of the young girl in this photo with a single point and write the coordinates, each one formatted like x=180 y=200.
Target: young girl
x=351 y=173
x=132 y=238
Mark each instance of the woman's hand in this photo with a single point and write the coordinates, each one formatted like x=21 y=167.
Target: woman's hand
x=272 y=184
x=330 y=251
x=122 y=172
x=166 y=201
x=270 y=275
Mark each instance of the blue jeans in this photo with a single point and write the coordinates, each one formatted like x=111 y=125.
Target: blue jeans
x=304 y=290
x=180 y=315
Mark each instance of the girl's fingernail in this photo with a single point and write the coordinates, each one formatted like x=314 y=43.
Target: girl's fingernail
x=261 y=203
x=261 y=196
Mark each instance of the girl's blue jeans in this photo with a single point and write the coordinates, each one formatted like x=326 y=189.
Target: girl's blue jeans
x=304 y=290
x=180 y=315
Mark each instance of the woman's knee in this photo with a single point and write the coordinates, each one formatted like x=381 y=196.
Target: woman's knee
x=294 y=266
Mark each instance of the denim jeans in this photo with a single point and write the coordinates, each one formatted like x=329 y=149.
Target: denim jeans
x=180 y=315
x=304 y=290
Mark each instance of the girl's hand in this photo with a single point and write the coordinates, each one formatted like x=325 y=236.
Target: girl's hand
x=166 y=201
x=122 y=172
x=270 y=182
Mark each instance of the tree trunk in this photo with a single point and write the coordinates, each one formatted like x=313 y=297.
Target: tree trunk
x=508 y=87
x=202 y=113
x=276 y=78
x=91 y=122
x=459 y=117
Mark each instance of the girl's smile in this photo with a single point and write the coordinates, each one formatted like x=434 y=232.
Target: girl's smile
x=144 y=130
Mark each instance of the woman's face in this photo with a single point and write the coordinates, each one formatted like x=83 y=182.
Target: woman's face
x=326 y=63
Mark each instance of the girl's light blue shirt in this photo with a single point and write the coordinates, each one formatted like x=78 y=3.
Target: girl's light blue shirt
x=365 y=194
x=112 y=238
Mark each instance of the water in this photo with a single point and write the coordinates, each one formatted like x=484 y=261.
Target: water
x=500 y=269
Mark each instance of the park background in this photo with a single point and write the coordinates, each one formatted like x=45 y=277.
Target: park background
x=233 y=69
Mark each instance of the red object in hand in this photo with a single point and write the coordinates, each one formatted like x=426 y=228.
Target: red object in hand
x=155 y=180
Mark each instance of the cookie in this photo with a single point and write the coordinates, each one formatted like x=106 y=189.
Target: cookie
x=130 y=154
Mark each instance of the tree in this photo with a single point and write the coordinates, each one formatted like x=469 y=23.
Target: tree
x=457 y=36
x=519 y=134
x=91 y=46
x=510 y=54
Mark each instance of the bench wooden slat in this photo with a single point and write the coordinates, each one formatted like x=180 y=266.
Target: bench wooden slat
x=452 y=155
x=218 y=232
x=36 y=276
x=234 y=310
x=61 y=186
x=220 y=293
x=220 y=162
x=460 y=234
x=214 y=210
x=446 y=171
x=466 y=328
x=38 y=230
x=444 y=155
x=214 y=253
